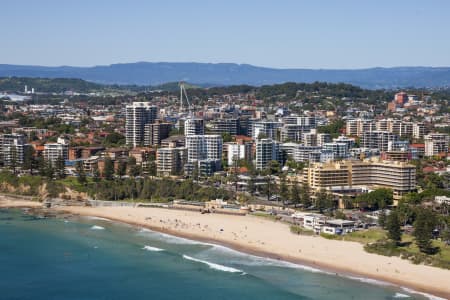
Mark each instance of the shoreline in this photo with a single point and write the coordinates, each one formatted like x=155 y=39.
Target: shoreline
x=405 y=276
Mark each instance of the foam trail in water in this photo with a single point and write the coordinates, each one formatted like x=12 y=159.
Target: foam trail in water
x=431 y=297
x=97 y=218
x=262 y=261
x=154 y=249
x=96 y=227
x=213 y=265
x=400 y=295
x=170 y=238
x=254 y=260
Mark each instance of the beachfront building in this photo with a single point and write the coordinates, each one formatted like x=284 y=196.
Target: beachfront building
x=398 y=176
x=170 y=161
x=55 y=151
x=266 y=151
x=138 y=114
x=436 y=143
x=12 y=149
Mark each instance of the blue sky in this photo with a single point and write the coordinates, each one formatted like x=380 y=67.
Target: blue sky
x=277 y=33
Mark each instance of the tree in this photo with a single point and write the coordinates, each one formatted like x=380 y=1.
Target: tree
x=423 y=229
x=305 y=195
x=108 y=171
x=151 y=168
x=295 y=194
x=284 y=190
x=29 y=161
x=378 y=199
x=80 y=171
x=48 y=170
x=226 y=137
x=273 y=167
x=382 y=219
x=96 y=174
x=114 y=139
x=60 y=168
x=13 y=159
x=122 y=168
x=269 y=187
x=135 y=170
x=393 y=227
x=323 y=200
x=251 y=184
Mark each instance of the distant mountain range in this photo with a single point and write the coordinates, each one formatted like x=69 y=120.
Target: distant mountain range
x=207 y=74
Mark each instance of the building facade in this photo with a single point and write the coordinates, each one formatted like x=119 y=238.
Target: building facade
x=137 y=116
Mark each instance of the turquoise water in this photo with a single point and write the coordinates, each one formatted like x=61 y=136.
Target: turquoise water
x=89 y=258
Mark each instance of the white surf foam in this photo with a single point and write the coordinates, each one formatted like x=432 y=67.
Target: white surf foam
x=369 y=280
x=96 y=227
x=400 y=295
x=254 y=260
x=171 y=239
x=429 y=296
x=213 y=265
x=263 y=261
x=154 y=249
x=97 y=218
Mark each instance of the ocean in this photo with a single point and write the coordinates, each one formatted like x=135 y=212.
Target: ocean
x=93 y=258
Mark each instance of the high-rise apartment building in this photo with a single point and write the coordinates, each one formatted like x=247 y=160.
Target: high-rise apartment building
x=170 y=161
x=221 y=126
x=156 y=132
x=265 y=129
x=236 y=151
x=55 y=151
x=436 y=143
x=194 y=126
x=418 y=131
x=12 y=148
x=138 y=115
x=377 y=139
x=266 y=151
x=204 y=147
x=357 y=127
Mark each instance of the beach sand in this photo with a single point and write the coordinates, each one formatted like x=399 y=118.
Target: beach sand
x=264 y=237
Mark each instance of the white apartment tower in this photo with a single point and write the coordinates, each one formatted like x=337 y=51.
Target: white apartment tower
x=54 y=151
x=204 y=147
x=138 y=115
x=194 y=126
x=12 y=148
x=266 y=151
x=436 y=143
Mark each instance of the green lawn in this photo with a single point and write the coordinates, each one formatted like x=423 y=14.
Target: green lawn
x=365 y=236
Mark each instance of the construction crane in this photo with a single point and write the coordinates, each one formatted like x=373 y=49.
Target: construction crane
x=183 y=91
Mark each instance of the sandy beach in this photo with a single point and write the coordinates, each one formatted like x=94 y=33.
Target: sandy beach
x=268 y=238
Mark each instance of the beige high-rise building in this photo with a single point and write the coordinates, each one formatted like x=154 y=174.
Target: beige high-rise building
x=398 y=176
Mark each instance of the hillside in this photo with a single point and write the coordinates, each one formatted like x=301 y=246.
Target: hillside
x=153 y=74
